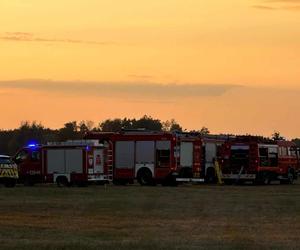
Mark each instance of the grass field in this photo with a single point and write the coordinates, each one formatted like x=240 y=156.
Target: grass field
x=134 y=217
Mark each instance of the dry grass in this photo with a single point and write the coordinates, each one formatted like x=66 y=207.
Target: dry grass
x=134 y=217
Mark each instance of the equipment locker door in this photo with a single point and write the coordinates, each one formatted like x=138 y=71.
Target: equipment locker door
x=98 y=161
x=186 y=154
x=74 y=161
x=144 y=156
x=55 y=161
x=210 y=154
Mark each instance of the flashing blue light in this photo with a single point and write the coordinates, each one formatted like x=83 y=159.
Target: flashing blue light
x=87 y=148
x=32 y=144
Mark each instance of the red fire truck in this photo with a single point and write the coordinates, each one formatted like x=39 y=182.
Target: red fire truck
x=152 y=157
x=145 y=156
x=259 y=160
x=64 y=163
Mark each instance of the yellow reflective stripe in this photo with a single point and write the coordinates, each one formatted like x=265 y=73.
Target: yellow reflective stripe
x=9 y=172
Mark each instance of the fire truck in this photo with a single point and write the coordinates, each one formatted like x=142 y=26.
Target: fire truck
x=142 y=155
x=64 y=163
x=152 y=157
x=188 y=155
x=259 y=160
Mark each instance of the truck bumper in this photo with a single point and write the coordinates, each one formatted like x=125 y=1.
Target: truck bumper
x=92 y=178
x=238 y=176
x=196 y=180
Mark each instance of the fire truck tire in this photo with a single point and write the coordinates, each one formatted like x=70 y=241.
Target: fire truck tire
x=10 y=183
x=144 y=177
x=62 y=181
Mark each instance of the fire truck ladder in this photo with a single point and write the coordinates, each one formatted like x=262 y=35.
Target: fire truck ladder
x=110 y=162
x=218 y=172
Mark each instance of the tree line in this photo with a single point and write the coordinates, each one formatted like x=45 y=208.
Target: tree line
x=33 y=132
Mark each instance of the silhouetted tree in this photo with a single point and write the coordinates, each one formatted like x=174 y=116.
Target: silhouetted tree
x=148 y=123
x=109 y=125
x=69 y=131
x=276 y=136
x=12 y=140
x=204 y=131
x=171 y=125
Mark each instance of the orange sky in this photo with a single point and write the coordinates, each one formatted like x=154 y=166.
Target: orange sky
x=230 y=65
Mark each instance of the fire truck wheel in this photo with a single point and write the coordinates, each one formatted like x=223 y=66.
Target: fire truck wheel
x=10 y=183
x=62 y=181
x=144 y=177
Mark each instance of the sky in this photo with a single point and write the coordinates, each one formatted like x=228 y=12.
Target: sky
x=230 y=65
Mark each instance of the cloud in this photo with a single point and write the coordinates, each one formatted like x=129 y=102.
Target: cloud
x=263 y=7
x=140 y=76
x=292 y=5
x=283 y=1
x=30 y=37
x=137 y=91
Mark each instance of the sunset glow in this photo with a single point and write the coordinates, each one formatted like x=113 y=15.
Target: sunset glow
x=230 y=65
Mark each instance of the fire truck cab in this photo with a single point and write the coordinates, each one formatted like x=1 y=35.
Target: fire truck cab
x=64 y=163
x=258 y=160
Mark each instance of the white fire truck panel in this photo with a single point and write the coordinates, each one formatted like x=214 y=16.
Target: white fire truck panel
x=124 y=153
x=98 y=161
x=145 y=152
x=73 y=160
x=55 y=161
x=186 y=154
x=210 y=154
